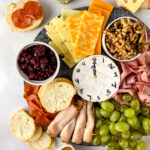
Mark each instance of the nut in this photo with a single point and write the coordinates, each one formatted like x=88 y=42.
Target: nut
x=126 y=38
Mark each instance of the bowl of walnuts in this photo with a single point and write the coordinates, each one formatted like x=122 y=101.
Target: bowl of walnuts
x=125 y=39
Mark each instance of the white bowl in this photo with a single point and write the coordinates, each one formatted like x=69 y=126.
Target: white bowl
x=35 y=82
x=104 y=41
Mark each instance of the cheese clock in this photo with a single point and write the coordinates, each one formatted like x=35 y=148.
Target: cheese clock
x=96 y=78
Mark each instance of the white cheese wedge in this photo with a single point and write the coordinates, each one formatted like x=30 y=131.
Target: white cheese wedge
x=96 y=78
x=131 y=5
x=69 y=13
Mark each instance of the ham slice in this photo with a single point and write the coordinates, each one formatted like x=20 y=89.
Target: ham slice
x=63 y=118
x=87 y=137
x=80 y=125
x=67 y=132
x=135 y=78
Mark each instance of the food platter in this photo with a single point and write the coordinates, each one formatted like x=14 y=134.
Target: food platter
x=86 y=80
x=65 y=71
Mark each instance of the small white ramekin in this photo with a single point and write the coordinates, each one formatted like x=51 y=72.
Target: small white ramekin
x=35 y=82
x=104 y=41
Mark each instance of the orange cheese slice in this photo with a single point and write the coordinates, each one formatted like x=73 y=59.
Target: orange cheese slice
x=103 y=5
x=87 y=37
x=74 y=26
x=106 y=10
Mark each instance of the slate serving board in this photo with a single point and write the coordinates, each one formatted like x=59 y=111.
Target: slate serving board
x=65 y=71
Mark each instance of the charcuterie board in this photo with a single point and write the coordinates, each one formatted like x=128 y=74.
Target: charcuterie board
x=64 y=70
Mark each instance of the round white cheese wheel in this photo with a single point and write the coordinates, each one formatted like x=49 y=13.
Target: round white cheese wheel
x=96 y=78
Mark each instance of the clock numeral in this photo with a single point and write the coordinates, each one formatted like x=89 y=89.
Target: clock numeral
x=114 y=85
x=81 y=91
x=111 y=66
x=115 y=74
x=83 y=63
x=103 y=60
x=78 y=70
x=94 y=59
x=90 y=97
x=77 y=80
x=98 y=98
x=108 y=92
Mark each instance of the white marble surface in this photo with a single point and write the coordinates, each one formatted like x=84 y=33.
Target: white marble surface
x=11 y=85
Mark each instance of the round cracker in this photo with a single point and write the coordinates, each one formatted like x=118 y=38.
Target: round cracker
x=37 y=134
x=42 y=143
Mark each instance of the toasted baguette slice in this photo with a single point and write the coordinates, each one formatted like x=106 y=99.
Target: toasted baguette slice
x=42 y=143
x=13 y=7
x=52 y=146
x=22 y=125
x=62 y=79
x=37 y=134
x=57 y=95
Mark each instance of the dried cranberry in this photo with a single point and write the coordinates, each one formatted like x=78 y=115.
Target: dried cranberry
x=31 y=68
x=23 y=66
x=43 y=62
x=24 y=54
x=31 y=76
x=39 y=51
x=33 y=61
x=41 y=73
x=51 y=53
x=53 y=67
x=36 y=66
x=22 y=60
x=27 y=58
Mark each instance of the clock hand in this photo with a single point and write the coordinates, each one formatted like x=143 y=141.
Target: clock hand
x=94 y=66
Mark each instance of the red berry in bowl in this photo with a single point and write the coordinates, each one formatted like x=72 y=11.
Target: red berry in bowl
x=38 y=62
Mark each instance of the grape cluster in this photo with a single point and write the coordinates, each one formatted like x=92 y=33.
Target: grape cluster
x=121 y=127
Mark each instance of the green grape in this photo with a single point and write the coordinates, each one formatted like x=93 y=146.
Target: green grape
x=123 y=143
x=135 y=136
x=144 y=110
x=105 y=139
x=135 y=104
x=129 y=112
x=121 y=126
x=123 y=107
x=97 y=112
x=132 y=144
x=104 y=113
x=126 y=97
x=141 y=118
x=114 y=116
x=146 y=124
x=112 y=128
x=98 y=123
x=114 y=102
x=125 y=135
x=132 y=121
x=96 y=141
x=96 y=131
x=128 y=148
x=141 y=145
x=107 y=106
x=114 y=144
x=137 y=125
x=104 y=130
x=138 y=112
x=111 y=148
x=122 y=118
